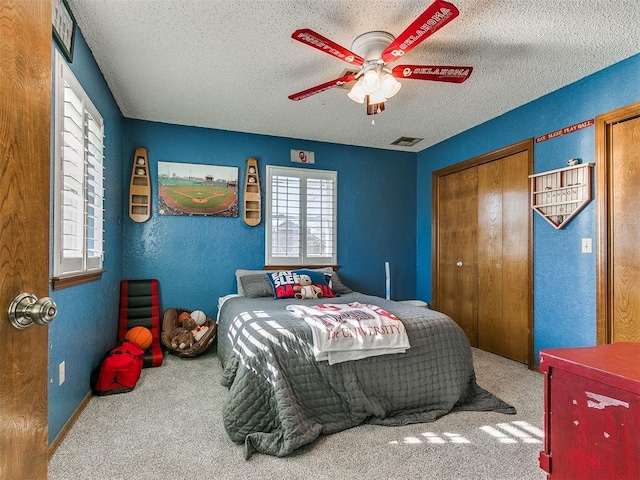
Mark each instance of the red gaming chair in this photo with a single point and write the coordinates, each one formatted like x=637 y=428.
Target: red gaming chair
x=140 y=306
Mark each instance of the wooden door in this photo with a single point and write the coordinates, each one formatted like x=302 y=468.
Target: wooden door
x=25 y=120
x=503 y=256
x=456 y=284
x=618 y=191
x=481 y=254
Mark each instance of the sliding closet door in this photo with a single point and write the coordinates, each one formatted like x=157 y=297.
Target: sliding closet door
x=457 y=266
x=503 y=256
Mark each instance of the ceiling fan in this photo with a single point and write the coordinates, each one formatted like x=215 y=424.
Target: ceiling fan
x=371 y=52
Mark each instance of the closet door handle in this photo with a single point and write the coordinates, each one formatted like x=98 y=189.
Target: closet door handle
x=458 y=264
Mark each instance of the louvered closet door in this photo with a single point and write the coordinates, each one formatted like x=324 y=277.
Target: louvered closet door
x=457 y=289
x=503 y=246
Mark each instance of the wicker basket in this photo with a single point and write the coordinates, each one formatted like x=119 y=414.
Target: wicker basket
x=170 y=322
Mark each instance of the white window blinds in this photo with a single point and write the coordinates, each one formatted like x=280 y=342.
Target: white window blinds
x=301 y=216
x=79 y=156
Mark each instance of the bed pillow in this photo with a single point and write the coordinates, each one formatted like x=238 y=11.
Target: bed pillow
x=256 y=285
x=336 y=283
x=241 y=273
x=284 y=281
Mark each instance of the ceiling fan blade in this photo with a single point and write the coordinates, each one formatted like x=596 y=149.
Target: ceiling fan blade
x=315 y=40
x=433 y=73
x=338 y=82
x=437 y=15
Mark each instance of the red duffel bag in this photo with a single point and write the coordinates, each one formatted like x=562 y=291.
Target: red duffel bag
x=119 y=370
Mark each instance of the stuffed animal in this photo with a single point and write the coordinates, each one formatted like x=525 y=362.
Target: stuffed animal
x=306 y=288
x=183 y=338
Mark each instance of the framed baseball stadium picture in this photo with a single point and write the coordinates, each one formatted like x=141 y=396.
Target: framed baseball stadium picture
x=197 y=190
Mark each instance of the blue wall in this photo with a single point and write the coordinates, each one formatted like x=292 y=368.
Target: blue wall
x=195 y=258
x=87 y=314
x=565 y=279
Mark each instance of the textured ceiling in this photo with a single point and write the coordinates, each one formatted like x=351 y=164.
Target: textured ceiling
x=230 y=65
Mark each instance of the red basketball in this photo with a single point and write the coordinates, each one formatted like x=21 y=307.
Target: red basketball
x=140 y=335
x=183 y=316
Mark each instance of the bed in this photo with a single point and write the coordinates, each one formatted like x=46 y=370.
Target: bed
x=281 y=397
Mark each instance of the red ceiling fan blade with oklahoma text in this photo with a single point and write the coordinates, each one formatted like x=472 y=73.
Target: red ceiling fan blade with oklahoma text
x=436 y=16
x=315 y=40
x=338 y=82
x=434 y=73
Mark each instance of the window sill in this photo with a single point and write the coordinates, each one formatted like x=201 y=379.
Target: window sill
x=296 y=267
x=58 y=283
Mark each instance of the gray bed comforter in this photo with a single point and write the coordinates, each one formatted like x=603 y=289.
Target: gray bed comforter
x=281 y=398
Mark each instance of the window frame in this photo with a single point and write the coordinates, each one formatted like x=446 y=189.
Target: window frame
x=71 y=271
x=303 y=174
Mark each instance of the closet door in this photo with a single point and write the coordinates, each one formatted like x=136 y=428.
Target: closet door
x=457 y=266
x=503 y=256
x=481 y=258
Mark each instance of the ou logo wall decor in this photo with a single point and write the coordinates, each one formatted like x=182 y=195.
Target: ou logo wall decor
x=303 y=156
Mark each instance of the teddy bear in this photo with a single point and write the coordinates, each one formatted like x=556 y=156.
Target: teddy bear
x=183 y=337
x=306 y=288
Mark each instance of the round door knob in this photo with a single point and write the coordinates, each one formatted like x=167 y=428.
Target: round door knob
x=44 y=311
x=458 y=264
x=26 y=309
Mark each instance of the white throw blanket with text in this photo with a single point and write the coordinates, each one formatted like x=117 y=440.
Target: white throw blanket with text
x=351 y=331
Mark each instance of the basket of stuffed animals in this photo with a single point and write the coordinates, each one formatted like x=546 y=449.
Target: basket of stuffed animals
x=187 y=333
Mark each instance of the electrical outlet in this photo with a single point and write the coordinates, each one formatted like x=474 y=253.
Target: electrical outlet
x=586 y=245
x=61 y=373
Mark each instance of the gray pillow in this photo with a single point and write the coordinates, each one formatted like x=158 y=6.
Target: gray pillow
x=241 y=273
x=337 y=286
x=256 y=285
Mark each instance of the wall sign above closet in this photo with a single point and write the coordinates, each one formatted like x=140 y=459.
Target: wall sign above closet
x=558 y=195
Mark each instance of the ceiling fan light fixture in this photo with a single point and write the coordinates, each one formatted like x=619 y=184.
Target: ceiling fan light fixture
x=390 y=85
x=357 y=93
x=371 y=80
x=378 y=96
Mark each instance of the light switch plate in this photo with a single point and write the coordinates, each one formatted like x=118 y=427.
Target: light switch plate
x=587 y=246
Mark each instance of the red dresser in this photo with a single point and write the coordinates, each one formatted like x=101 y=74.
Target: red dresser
x=592 y=412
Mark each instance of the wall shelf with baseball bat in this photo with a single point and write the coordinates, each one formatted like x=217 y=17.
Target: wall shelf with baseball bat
x=252 y=203
x=140 y=187
x=559 y=195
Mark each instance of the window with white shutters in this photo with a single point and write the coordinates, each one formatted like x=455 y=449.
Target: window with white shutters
x=78 y=246
x=301 y=216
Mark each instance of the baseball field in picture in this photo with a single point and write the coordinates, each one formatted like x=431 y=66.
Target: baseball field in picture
x=196 y=189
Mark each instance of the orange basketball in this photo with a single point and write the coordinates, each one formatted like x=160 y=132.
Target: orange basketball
x=182 y=317
x=140 y=335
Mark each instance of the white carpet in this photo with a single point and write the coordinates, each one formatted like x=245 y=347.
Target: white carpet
x=170 y=427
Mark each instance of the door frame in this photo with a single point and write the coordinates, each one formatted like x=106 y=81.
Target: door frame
x=604 y=299
x=522 y=146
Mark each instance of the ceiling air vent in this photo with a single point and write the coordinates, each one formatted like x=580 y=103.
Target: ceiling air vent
x=406 y=141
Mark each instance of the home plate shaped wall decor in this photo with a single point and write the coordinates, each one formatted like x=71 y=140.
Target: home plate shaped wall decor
x=558 y=195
